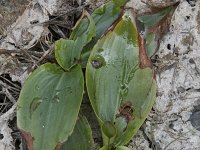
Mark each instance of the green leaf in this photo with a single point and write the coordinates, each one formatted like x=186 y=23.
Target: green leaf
x=90 y=32
x=119 y=90
x=81 y=138
x=118 y=4
x=109 y=129
x=151 y=44
x=104 y=148
x=136 y=105
x=152 y=19
x=48 y=105
x=154 y=26
x=68 y=52
x=107 y=67
x=103 y=17
x=122 y=148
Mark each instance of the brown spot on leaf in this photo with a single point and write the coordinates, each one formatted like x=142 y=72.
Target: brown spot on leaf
x=29 y=139
x=126 y=111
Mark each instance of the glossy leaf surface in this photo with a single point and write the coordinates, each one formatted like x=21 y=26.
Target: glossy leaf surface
x=109 y=129
x=81 y=138
x=108 y=65
x=119 y=90
x=48 y=105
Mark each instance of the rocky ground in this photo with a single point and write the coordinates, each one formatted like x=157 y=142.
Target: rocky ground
x=29 y=28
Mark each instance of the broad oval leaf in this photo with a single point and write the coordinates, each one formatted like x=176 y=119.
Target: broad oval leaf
x=108 y=65
x=120 y=89
x=48 y=105
x=81 y=138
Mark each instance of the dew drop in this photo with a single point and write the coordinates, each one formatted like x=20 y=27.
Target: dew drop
x=56 y=99
x=58 y=92
x=37 y=87
x=34 y=104
x=124 y=90
x=98 y=61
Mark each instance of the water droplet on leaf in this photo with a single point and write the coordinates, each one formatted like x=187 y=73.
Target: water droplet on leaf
x=124 y=90
x=37 y=87
x=56 y=99
x=34 y=104
x=58 y=92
